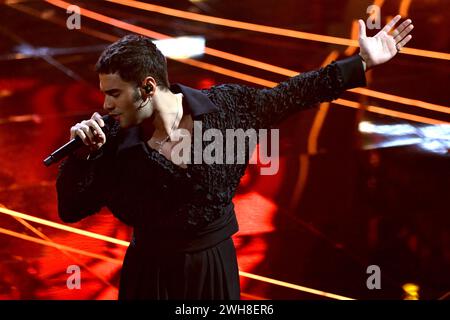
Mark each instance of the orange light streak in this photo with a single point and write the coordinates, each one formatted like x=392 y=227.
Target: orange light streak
x=294 y=286
x=63 y=227
x=116 y=261
x=239 y=59
x=404 y=8
x=263 y=29
x=58 y=246
x=67 y=254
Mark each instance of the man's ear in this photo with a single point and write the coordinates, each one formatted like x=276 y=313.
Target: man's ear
x=149 y=85
x=148 y=88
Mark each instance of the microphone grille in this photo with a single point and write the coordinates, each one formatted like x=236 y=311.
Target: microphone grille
x=111 y=125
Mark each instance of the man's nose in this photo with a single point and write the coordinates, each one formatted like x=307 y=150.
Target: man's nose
x=107 y=106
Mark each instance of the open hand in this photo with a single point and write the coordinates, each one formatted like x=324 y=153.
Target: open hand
x=383 y=46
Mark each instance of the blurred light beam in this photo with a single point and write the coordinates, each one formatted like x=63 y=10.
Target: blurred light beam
x=181 y=47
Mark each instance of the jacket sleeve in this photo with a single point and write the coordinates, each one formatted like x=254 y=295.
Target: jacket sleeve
x=262 y=108
x=80 y=187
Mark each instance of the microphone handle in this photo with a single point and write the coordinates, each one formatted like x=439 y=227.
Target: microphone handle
x=63 y=151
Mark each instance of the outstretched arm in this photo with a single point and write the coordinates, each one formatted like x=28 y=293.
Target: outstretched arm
x=260 y=108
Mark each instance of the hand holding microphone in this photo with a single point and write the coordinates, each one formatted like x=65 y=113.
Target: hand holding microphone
x=89 y=133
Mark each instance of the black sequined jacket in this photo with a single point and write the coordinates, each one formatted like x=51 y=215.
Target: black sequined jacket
x=190 y=208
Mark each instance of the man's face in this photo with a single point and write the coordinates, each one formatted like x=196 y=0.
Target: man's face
x=121 y=99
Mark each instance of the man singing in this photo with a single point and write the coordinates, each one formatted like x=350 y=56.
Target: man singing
x=182 y=213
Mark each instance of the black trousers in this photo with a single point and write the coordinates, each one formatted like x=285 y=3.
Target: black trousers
x=207 y=274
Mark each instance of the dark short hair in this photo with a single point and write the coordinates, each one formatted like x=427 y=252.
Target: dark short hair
x=134 y=57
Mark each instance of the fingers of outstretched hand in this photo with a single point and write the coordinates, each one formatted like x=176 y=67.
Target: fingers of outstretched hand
x=404 y=33
x=402 y=43
x=391 y=24
x=401 y=27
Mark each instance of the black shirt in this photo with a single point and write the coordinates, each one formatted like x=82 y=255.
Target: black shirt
x=190 y=209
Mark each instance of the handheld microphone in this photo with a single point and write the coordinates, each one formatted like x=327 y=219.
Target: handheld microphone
x=74 y=144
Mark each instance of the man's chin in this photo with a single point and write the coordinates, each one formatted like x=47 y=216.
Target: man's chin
x=123 y=124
